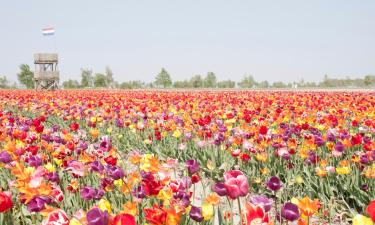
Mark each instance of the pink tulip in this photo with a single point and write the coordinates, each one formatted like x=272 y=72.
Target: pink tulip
x=236 y=184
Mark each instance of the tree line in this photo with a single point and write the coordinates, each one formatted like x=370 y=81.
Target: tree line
x=163 y=79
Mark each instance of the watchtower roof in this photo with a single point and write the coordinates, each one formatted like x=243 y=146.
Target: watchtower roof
x=40 y=58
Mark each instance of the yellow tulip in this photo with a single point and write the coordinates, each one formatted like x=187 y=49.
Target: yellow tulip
x=343 y=170
x=49 y=167
x=93 y=119
x=105 y=205
x=176 y=134
x=207 y=211
x=74 y=221
x=362 y=220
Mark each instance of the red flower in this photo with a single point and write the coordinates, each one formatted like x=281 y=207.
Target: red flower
x=195 y=178
x=123 y=219
x=156 y=215
x=371 y=210
x=39 y=128
x=151 y=186
x=255 y=215
x=74 y=126
x=357 y=139
x=5 y=201
x=263 y=130
x=245 y=157
x=111 y=160
x=56 y=217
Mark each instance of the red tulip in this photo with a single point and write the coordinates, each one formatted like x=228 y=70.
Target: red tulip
x=74 y=126
x=5 y=201
x=255 y=214
x=371 y=210
x=263 y=130
x=57 y=217
x=123 y=219
x=155 y=215
x=236 y=183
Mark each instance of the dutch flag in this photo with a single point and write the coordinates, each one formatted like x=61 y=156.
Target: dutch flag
x=48 y=31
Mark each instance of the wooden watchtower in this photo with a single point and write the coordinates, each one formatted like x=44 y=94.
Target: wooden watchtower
x=46 y=74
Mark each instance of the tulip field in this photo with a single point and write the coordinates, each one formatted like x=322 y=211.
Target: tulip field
x=96 y=157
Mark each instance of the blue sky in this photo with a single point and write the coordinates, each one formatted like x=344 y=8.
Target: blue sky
x=284 y=40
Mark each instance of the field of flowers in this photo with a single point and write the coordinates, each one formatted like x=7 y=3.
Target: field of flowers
x=195 y=157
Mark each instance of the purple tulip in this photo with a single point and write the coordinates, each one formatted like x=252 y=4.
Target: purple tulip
x=55 y=128
x=364 y=159
x=97 y=166
x=196 y=214
x=88 y=193
x=53 y=176
x=106 y=143
x=262 y=201
x=319 y=141
x=183 y=197
x=185 y=183
x=274 y=183
x=364 y=187
x=35 y=161
x=219 y=188
x=99 y=194
x=83 y=145
x=193 y=166
x=97 y=217
x=290 y=211
x=139 y=192
x=5 y=157
x=119 y=122
x=115 y=172
x=37 y=204
x=339 y=146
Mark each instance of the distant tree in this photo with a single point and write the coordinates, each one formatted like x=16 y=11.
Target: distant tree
x=210 y=80
x=327 y=82
x=109 y=77
x=310 y=84
x=70 y=84
x=100 y=80
x=279 y=84
x=3 y=82
x=247 y=82
x=182 y=84
x=26 y=76
x=136 y=84
x=163 y=79
x=369 y=80
x=263 y=84
x=86 y=78
x=196 y=81
x=226 y=84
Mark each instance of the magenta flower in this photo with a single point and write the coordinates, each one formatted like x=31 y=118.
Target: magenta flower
x=88 y=193
x=290 y=211
x=5 y=157
x=196 y=214
x=219 y=188
x=97 y=217
x=274 y=183
x=262 y=201
x=192 y=166
x=236 y=184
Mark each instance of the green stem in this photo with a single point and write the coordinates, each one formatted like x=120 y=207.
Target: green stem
x=275 y=208
x=239 y=209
